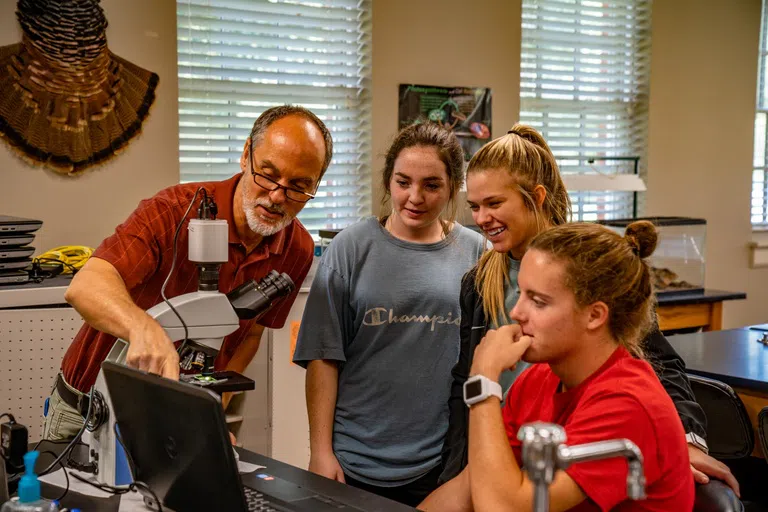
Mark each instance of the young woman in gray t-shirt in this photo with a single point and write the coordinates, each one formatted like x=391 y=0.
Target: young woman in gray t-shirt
x=380 y=331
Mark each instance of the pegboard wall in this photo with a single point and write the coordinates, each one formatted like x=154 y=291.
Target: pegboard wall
x=32 y=344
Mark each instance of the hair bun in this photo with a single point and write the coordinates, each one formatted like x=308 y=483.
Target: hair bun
x=642 y=237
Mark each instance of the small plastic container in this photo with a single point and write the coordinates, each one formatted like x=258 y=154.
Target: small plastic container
x=29 y=499
x=678 y=263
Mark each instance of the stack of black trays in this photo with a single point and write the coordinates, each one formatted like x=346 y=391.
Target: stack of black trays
x=16 y=237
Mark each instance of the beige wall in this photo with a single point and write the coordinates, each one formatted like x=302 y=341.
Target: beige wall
x=703 y=82
x=703 y=77
x=83 y=210
x=443 y=43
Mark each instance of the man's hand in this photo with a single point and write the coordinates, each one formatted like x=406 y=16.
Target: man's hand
x=150 y=349
x=704 y=466
x=499 y=350
x=326 y=464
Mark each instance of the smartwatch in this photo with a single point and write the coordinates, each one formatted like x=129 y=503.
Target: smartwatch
x=697 y=441
x=478 y=388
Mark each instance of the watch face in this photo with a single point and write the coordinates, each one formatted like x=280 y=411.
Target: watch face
x=473 y=389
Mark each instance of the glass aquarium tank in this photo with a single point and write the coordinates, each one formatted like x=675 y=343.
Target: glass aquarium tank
x=678 y=263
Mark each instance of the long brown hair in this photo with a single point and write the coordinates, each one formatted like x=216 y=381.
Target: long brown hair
x=601 y=265
x=525 y=154
x=444 y=141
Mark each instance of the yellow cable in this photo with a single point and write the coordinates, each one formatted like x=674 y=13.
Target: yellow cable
x=74 y=255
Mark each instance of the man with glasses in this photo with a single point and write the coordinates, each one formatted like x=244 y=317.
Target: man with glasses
x=282 y=164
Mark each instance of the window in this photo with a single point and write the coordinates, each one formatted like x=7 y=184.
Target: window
x=239 y=57
x=584 y=83
x=760 y=165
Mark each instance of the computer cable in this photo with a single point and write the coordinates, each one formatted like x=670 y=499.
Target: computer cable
x=72 y=268
x=73 y=255
x=66 y=476
x=75 y=439
x=135 y=486
x=173 y=264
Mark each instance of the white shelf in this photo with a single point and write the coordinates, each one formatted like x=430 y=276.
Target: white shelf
x=234 y=418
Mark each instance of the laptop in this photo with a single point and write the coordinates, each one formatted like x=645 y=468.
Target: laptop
x=15 y=239
x=21 y=264
x=13 y=277
x=16 y=253
x=10 y=224
x=177 y=441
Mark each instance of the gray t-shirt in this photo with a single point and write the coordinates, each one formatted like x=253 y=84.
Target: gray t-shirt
x=388 y=311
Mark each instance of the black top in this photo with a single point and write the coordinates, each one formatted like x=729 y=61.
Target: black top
x=657 y=221
x=667 y=363
x=733 y=356
x=699 y=297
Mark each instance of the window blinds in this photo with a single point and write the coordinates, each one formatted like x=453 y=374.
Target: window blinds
x=584 y=83
x=759 y=206
x=236 y=58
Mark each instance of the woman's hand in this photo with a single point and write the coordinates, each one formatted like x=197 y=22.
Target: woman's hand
x=704 y=466
x=326 y=464
x=501 y=349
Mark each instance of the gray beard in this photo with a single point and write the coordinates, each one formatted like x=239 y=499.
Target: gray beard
x=257 y=225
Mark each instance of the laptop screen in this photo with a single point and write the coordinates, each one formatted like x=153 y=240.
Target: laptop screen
x=176 y=436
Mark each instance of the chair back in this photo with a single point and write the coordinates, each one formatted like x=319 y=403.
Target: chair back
x=729 y=431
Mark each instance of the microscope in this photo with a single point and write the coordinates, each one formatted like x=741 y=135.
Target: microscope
x=544 y=453
x=201 y=320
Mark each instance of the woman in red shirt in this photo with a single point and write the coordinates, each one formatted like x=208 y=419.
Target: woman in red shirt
x=585 y=302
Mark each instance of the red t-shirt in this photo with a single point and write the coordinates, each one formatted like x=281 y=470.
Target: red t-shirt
x=141 y=250
x=623 y=399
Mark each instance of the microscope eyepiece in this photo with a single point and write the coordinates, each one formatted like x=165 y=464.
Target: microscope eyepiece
x=254 y=298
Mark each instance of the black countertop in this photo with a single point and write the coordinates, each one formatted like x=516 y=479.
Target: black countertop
x=700 y=297
x=352 y=496
x=733 y=356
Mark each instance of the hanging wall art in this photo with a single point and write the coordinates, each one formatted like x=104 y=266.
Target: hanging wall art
x=66 y=101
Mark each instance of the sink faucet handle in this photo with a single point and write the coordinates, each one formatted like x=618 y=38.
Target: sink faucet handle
x=541 y=444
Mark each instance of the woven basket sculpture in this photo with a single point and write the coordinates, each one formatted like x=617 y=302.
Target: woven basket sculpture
x=66 y=101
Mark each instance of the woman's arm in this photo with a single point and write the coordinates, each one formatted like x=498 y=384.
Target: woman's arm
x=455 y=445
x=321 y=387
x=670 y=368
x=496 y=480
x=453 y=496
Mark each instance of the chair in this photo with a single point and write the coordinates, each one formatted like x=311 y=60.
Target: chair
x=716 y=497
x=729 y=437
x=762 y=430
x=729 y=430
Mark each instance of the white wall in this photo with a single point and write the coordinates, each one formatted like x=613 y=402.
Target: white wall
x=449 y=43
x=82 y=210
x=702 y=112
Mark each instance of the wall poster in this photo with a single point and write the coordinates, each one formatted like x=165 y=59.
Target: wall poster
x=465 y=110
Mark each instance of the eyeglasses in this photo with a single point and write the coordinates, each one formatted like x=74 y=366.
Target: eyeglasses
x=267 y=183
x=291 y=193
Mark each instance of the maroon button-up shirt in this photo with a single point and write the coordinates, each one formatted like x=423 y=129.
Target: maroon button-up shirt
x=141 y=249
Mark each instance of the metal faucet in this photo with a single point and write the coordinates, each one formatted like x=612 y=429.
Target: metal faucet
x=544 y=452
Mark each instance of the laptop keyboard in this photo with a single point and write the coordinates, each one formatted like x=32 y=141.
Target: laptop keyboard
x=257 y=502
